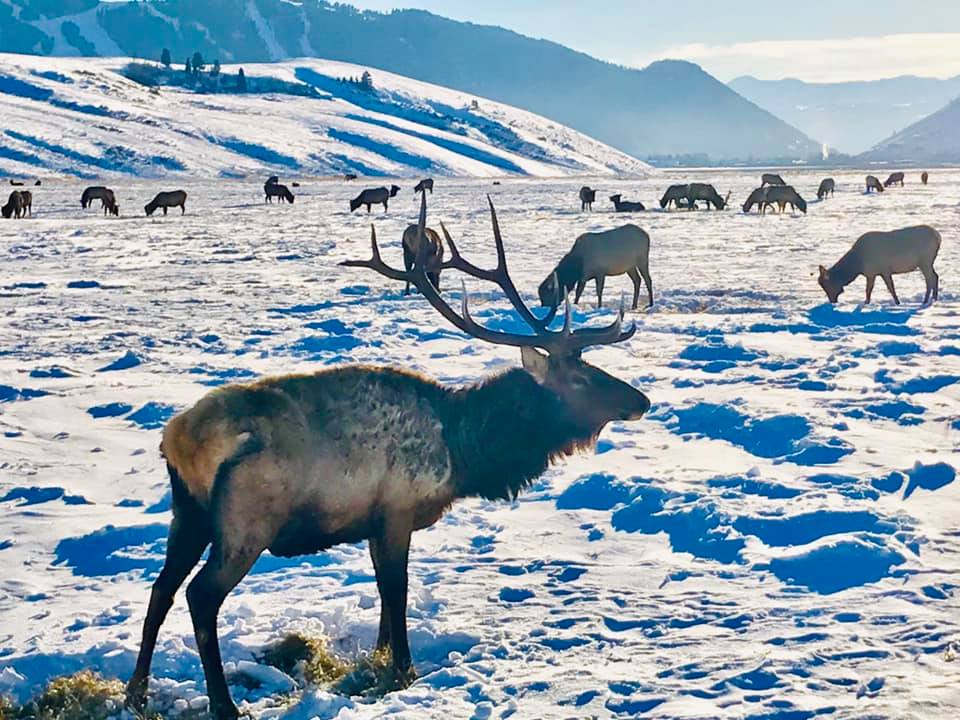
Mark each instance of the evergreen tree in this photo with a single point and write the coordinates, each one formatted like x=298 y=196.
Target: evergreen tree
x=186 y=67
x=197 y=62
x=241 y=81
x=215 y=72
x=366 y=80
x=165 y=58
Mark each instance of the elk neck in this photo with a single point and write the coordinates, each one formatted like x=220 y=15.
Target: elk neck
x=503 y=433
x=847 y=268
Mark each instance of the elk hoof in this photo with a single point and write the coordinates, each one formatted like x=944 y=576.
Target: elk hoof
x=135 y=696
x=226 y=711
x=404 y=677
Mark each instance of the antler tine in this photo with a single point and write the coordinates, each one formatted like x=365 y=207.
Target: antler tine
x=376 y=262
x=495 y=336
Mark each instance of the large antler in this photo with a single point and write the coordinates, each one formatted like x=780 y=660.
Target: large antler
x=565 y=342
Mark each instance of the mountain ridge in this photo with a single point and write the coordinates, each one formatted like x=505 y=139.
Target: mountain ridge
x=670 y=108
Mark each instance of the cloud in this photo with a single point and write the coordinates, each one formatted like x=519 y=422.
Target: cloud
x=834 y=60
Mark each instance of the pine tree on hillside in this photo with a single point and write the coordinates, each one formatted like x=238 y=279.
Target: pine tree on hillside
x=186 y=67
x=197 y=63
x=215 y=71
x=165 y=58
x=366 y=80
x=241 y=81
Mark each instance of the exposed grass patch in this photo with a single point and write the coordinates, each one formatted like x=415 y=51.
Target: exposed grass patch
x=83 y=696
x=370 y=675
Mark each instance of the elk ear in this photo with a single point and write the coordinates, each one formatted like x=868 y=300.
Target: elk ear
x=823 y=271
x=535 y=363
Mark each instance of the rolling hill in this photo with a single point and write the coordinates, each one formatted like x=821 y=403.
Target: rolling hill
x=932 y=140
x=667 y=109
x=92 y=117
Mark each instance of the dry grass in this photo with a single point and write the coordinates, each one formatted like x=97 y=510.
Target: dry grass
x=370 y=675
x=83 y=696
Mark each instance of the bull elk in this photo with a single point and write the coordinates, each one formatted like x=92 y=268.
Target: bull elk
x=299 y=463
x=886 y=254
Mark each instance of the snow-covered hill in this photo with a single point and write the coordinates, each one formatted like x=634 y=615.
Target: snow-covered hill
x=87 y=117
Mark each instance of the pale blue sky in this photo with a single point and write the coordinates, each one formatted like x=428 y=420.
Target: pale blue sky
x=810 y=39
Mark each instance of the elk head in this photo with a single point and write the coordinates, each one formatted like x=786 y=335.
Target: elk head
x=829 y=285
x=553 y=358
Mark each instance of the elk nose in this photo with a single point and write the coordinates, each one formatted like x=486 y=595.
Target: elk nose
x=640 y=408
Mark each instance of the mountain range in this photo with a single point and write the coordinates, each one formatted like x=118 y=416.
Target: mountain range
x=850 y=116
x=667 y=111
x=932 y=140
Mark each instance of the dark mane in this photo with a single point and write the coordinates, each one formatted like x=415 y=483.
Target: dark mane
x=568 y=271
x=846 y=268
x=504 y=432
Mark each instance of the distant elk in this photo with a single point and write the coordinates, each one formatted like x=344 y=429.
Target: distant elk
x=428 y=247
x=18 y=183
x=674 y=194
x=597 y=256
x=19 y=205
x=886 y=254
x=827 y=186
x=349 y=176
x=894 y=179
x=784 y=195
x=706 y=192
x=771 y=179
x=374 y=196
x=587 y=198
x=924 y=176
x=423 y=185
x=759 y=198
x=873 y=183
x=300 y=463
x=166 y=200
x=276 y=190
x=625 y=205
x=106 y=196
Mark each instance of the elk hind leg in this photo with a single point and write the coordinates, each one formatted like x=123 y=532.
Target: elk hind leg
x=888 y=281
x=599 y=280
x=383 y=635
x=932 y=280
x=189 y=535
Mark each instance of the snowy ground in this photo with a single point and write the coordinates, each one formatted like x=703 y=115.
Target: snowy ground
x=85 y=117
x=779 y=537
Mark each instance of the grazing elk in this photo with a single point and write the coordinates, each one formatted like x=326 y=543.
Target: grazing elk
x=703 y=191
x=38 y=183
x=425 y=184
x=596 y=256
x=873 y=183
x=759 y=198
x=431 y=255
x=924 y=176
x=165 y=200
x=827 y=186
x=276 y=190
x=771 y=179
x=106 y=196
x=894 y=179
x=674 y=194
x=886 y=254
x=19 y=205
x=784 y=195
x=625 y=205
x=374 y=196
x=299 y=463
x=18 y=183
x=587 y=197
x=349 y=176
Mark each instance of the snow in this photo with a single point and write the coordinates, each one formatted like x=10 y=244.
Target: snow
x=778 y=538
x=85 y=118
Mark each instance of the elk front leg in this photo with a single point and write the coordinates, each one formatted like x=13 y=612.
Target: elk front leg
x=871 y=279
x=599 y=280
x=634 y=275
x=383 y=635
x=392 y=548
x=580 y=286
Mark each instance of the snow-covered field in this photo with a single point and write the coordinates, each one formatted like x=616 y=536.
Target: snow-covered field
x=779 y=538
x=84 y=117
